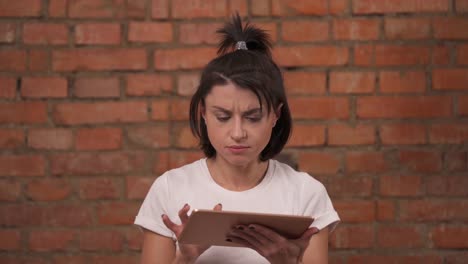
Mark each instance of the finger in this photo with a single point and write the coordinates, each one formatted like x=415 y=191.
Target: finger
x=240 y=232
x=169 y=224
x=236 y=240
x=267 y=232
x=183 y=214
x=218 y=207
x=309 y=233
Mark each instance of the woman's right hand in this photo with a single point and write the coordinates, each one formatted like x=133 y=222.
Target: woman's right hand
x=188 y=253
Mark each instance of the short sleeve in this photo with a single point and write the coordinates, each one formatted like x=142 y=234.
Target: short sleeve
x=154 y=205
x=319 y=206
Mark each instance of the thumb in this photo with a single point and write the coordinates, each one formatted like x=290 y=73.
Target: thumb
x=218 y=207
x=309 y=233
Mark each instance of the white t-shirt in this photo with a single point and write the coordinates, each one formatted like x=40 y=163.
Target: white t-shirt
x=282 y=191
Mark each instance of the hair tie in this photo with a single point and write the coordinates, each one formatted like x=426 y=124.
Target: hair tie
x=241 y=45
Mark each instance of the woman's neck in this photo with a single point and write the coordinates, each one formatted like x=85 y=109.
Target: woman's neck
x=237 y=178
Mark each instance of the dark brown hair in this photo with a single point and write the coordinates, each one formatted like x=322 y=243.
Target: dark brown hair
x=252 y=69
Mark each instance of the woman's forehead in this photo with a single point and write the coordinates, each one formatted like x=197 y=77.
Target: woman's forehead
x=230 y=94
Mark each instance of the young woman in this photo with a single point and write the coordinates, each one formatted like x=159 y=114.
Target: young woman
x=241 y=116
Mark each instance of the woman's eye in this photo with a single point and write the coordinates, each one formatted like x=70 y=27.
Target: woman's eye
x=222 y=118
x=254 y=118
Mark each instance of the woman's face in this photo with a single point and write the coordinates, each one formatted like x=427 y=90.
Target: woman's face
x=238 y=129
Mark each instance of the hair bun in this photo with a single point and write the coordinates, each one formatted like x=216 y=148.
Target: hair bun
x=233 y=32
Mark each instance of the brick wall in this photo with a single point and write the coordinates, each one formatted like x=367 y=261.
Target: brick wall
x=93 y=105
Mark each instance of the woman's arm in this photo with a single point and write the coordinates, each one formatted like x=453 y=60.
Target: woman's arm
x=317 y=250
x=157 y=249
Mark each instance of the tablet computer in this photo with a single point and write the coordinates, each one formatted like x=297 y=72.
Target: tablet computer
x=208 y=227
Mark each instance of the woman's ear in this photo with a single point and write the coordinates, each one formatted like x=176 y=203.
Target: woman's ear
x=202 y=111
x=277 y=113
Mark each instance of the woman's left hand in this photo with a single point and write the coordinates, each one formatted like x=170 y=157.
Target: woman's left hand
x=274 y=247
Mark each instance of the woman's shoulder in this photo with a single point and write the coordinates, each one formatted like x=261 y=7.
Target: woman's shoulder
x=185 y=171
x=289 y=173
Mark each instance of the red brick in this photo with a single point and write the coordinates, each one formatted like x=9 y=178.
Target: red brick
x=25 y=215
x=23 y=113
x=160 y=110
x=324 y=107
x=117 y=213
x=45 y=33
x=179 y=109
x=12 y=60
x=10 y=190
x=260 y=8
x=386 y=210
x=462 y=54
x=135 y=9
x=57 y=8
x=69 y=215
x=150 y=32
x=39 y=60
x=98 y=59
x=56 y=240
x=345 y=237
x=188 y=9
x=184 y=59
x=399 y=236
x=138 y=187
x=462 y=105
x=352 y=82
x=97 y=87
x=95 y=8
x=44 y=87
x=392 y=259
x=404 y=107
x=10 y=240
x=160 y=9
x=305 y=31
x=179 y=158
x=95 y=113
x=448 y=134
x=399 y=6
x=403 y=134
x=7 y=87
x=356 y=29
x=149 y=85
x=152 y=137
x=458 y=257
x=299 y=7
x=319 y=162
x=183 y=137
x=401 y=185
x=420 y=160
x=461 y=6
x=270 y=28
x=240 y=6
x=101 y=240
x=441 y=54
x=450 y=28
x=191 y=33
x=364 y=55
x=97 y=163
x=450 y=236
x=161 y=162
x=407 y=28
x=354 y=186
x=187 y=83
x=450 y=79
x=305 y=83
x=50 y=138
x=449 y=185
x=134 y=238
x=345 y=135
x=402 y=81
x=102 y=138
x=7 y=32
x=11 y=138
x=48 y=190
x=99 y=189
x=114 y=259
x=311 y=56
x=97 y=34
x=396 y=55
x=455 y=161
x=337 y=7
x=356 y=211
x=22 y=165
x=432 y=210
x=307 y=135
x=366 y=162
x=20 y=8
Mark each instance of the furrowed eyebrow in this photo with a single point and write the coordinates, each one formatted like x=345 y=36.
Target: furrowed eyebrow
x=248 y=112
